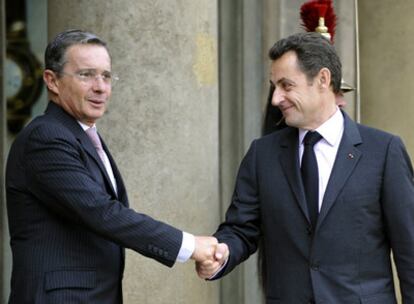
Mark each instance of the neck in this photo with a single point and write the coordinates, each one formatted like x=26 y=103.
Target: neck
x=323 y=115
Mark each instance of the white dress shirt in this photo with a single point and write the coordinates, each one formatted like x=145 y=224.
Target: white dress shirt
x=325 y=149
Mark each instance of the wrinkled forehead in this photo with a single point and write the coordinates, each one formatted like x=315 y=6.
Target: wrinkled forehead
x=286 y=66
x=88 y=56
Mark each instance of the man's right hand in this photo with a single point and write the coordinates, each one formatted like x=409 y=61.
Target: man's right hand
x=209 y=256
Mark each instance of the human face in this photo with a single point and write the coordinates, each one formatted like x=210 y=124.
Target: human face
x=301 y=100
x=86 y=101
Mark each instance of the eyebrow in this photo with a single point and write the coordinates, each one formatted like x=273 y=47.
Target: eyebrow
x=94 y=70
x=283 y=80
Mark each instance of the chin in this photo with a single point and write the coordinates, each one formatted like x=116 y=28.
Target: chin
x=95 y=115
x=290 y=122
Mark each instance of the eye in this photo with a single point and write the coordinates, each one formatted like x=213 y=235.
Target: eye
x=86 y=74
x=106 y=76
x=287 y=86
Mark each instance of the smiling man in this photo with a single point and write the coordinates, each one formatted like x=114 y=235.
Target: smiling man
x=328 y=198
x=84 y=85
x=67 y=205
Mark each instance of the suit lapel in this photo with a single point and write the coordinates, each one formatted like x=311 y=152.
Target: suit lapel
x=69 y=122
x=119 y=182
x=90 y=149
x=346 y=160
x=289 y=160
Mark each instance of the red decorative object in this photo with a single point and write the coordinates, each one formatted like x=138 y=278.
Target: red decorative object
x=311 y=11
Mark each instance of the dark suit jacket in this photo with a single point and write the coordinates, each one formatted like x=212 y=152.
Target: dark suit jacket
x=68 y=227
x=368 y=208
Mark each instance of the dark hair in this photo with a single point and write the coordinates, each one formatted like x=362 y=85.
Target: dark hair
x=55 y=54
x=314 y=52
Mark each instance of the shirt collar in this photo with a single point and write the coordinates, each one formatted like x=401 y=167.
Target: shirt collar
x=331 y=130
x=85 y=127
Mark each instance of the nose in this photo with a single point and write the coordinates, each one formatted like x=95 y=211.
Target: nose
x=277 y=97
x=99 y=84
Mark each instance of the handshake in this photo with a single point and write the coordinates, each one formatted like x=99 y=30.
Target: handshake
x=209 y=256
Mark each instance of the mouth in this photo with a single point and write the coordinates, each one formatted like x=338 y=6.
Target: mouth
x=285 y=109
x=97 y=102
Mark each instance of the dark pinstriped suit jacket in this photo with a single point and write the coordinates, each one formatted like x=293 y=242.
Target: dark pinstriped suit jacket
x=68 y=227
x=367 y=209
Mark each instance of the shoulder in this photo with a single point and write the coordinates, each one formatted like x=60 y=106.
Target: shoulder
x=272 y=144
x=376 y=137
x=55 y=123
x=43 y=131
x=376 y=143
x=370 y=132
x=360 y=133
x=280 y=137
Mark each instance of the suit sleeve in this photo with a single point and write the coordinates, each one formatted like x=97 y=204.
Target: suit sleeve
x=241 y=228
x=57 y=174
x=398 y=204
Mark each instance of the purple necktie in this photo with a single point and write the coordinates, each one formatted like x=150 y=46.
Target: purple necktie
x=96 y=141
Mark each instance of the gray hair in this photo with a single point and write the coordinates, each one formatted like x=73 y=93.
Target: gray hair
x=55 y=54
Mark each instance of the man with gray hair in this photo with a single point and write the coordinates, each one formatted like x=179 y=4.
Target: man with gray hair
x=67 y=206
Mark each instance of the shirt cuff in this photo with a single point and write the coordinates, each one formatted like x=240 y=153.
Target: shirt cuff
x=187 y=248
x=214 y=276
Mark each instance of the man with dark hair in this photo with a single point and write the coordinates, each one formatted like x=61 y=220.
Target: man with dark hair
x=329 y=198
x=67 y=205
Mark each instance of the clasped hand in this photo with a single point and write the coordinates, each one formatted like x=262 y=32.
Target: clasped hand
x=209 y=256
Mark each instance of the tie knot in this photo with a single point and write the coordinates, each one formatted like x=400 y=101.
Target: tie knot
x=311 y=138
x=94 y=137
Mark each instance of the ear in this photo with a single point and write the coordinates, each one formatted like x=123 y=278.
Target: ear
x=324 y=78
x=51 y=81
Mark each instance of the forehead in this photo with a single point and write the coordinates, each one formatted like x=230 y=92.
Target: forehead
x=285 y=67
x=88 y=56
